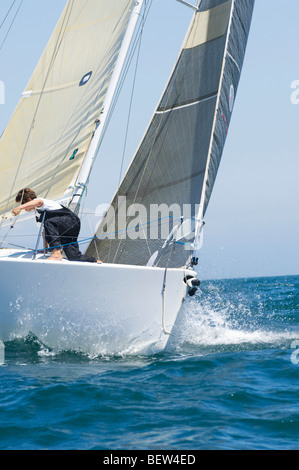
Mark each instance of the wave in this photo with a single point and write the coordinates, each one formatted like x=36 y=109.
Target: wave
x=225 y=317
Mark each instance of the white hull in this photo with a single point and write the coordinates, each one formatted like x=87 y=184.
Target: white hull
x=91 y=308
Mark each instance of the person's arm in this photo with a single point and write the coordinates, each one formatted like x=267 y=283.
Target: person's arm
x=28 y=206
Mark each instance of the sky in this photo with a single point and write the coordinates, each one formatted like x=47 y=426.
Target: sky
x=252 y=222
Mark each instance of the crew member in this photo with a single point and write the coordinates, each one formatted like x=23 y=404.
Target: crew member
x=61 y=225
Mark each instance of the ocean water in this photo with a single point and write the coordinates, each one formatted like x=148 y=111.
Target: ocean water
x=228 y=380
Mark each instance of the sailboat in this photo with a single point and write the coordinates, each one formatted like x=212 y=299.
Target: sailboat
x=149 y=236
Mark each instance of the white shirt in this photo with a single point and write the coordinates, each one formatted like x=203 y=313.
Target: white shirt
x=49 y=205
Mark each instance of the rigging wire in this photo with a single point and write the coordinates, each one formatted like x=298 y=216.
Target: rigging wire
x=14 y=1
x=127 y=66
x=7 y=233
x=103 y=237
x=11 y=24
x=139 y=40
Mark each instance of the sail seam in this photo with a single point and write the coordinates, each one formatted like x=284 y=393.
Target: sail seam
x=234 y=61
x=167 y=185
x=192 y=103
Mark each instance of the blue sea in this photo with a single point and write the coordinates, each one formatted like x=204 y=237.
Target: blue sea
x=227 y=381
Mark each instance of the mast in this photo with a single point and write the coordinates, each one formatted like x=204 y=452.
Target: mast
x=84 y=173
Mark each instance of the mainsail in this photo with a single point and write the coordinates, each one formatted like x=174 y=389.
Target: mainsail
x=45 y=142
x=173 y=172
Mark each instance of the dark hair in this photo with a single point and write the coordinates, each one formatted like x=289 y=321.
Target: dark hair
x=25 y=195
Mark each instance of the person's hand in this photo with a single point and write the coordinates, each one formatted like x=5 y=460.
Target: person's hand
x=16 y=211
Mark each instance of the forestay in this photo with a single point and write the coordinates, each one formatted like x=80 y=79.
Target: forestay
x=174 y=169
x=46 y=140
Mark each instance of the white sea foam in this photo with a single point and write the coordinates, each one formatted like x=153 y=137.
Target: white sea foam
x=213 y=322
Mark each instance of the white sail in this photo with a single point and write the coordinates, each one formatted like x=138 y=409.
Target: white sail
x=46 y=140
